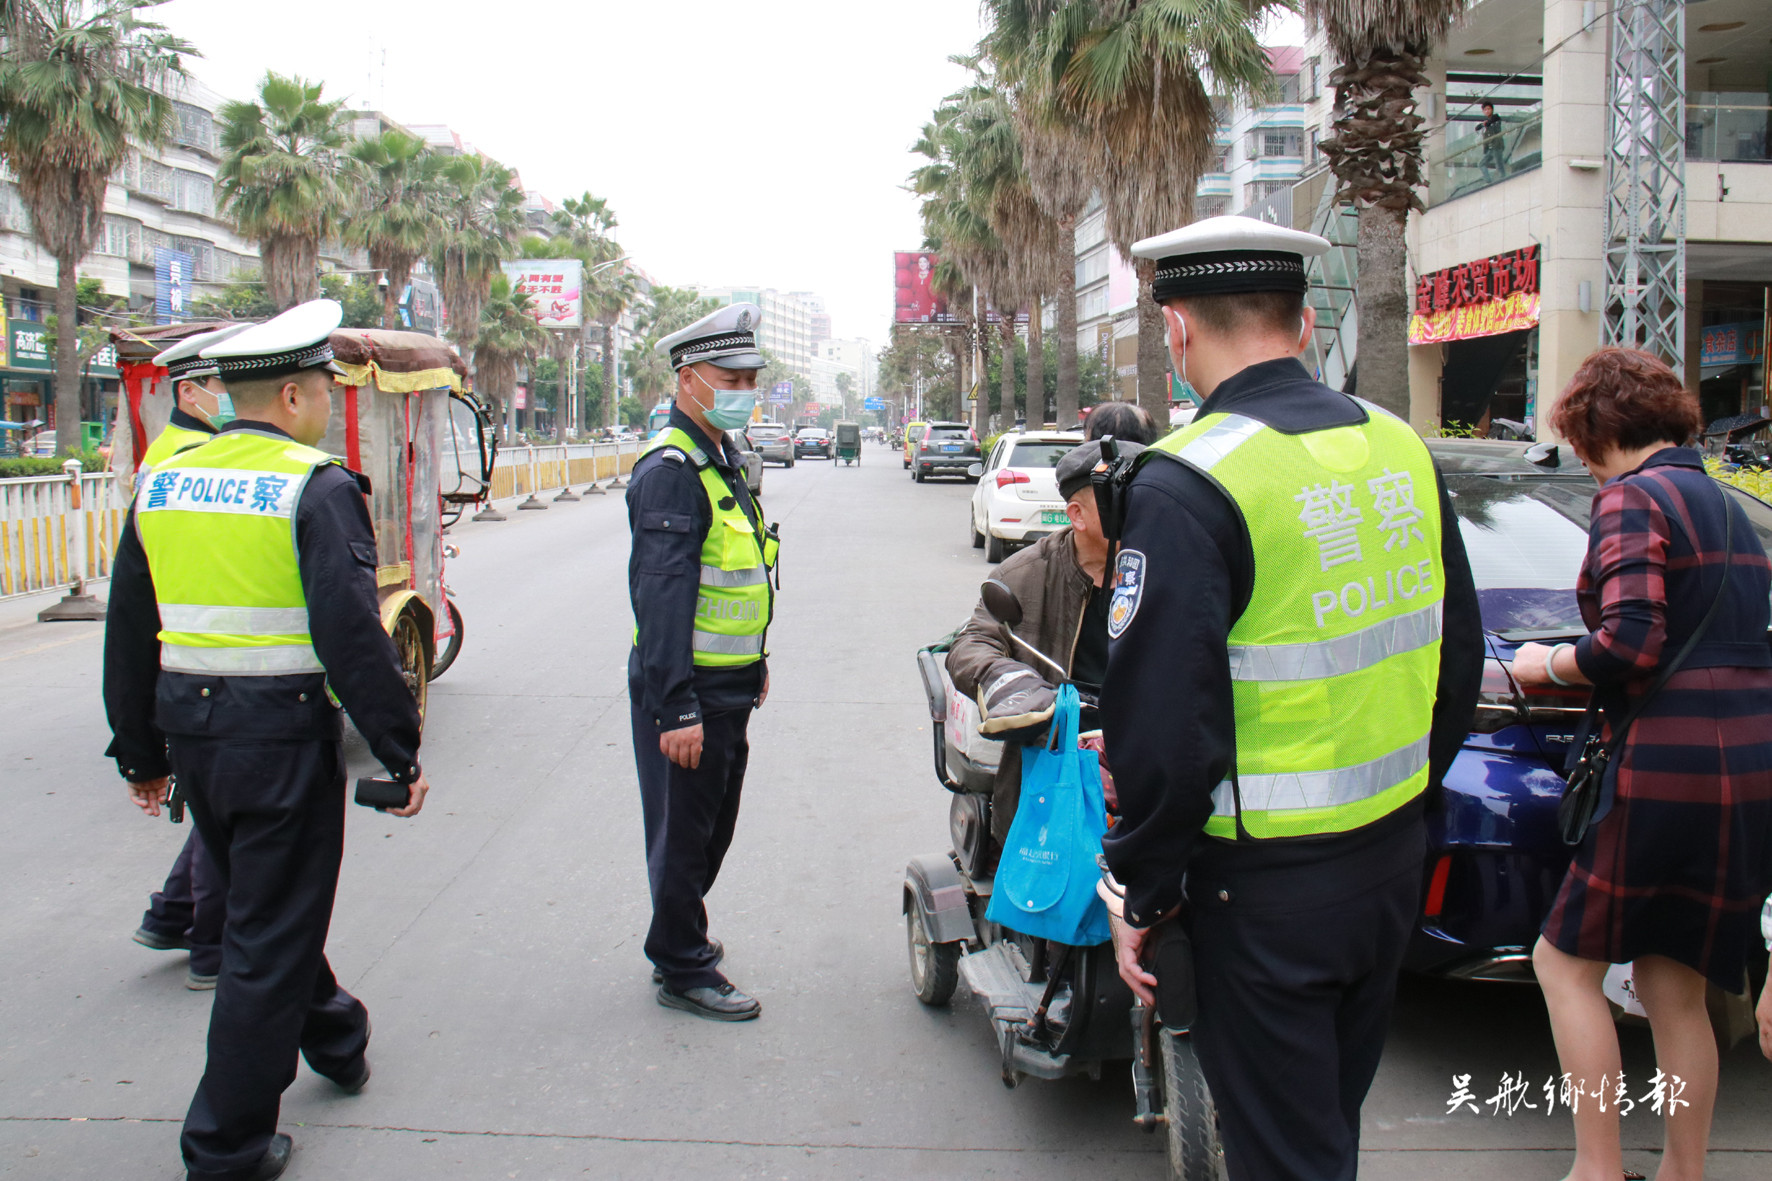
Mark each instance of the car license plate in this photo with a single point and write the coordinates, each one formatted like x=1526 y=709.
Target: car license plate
x=950 y=446
x=1054 y=516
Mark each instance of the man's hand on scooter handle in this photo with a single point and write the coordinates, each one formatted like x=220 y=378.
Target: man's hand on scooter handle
x=1129 y=955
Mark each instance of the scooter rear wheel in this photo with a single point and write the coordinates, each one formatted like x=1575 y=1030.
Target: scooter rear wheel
x=1195 y=1153
x=935 y=967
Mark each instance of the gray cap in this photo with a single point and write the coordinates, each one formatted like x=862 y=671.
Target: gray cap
x=1074 y=469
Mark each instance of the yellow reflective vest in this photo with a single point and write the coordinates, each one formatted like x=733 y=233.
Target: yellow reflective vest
x=734 y=602
x=166 y=444
x=1335 y=661
x=217 y=523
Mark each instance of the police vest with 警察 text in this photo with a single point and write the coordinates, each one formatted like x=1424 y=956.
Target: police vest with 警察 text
x=1335 y=661
x=734 y=602
x=217 y=523
x=167 y=444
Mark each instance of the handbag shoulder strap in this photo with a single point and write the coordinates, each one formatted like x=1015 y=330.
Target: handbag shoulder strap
x=1673 y=666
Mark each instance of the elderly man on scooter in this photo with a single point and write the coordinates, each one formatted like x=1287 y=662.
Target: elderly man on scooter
x=1060 y=583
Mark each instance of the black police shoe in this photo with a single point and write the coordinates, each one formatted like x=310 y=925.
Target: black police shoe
x=719 y=954
x=159 y=942
x=353 y=1082
x=721 y=1003
x=273 y=1162
x=199 y=982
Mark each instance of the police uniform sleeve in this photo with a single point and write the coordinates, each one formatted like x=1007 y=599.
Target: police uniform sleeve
x=668 y=519
x=1461 y=649
x=1166 y=707
x=338 y=558
x=132 y=663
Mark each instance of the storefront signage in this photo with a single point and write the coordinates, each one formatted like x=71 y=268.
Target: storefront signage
x=1731 y=344
x=27 y=347
x=1482 y=298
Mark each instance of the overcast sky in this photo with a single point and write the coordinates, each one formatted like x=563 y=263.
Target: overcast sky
x=759 y=143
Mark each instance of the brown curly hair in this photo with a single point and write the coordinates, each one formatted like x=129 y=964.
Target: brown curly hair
x=1625 y=399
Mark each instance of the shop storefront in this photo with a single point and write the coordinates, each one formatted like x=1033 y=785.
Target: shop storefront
x=28 y=380
x=1482 y=317
x=1732 y=351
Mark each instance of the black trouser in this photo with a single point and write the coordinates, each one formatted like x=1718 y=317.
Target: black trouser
x=190 y=906
x=273 y=817
x=1295 y=993
x=689 y=817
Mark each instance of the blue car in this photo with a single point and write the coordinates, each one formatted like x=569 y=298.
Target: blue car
x=1495 y=859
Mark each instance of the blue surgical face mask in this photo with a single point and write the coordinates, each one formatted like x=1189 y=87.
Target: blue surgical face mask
x=732 y=408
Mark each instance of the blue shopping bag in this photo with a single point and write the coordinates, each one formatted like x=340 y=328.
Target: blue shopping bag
x=1045 y=885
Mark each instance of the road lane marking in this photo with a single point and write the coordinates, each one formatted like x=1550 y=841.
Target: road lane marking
x=52 y=644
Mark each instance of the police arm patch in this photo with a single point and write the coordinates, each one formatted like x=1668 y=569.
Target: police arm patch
x=1128 y=591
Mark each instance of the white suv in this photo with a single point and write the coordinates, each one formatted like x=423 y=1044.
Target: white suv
x=1017 y=501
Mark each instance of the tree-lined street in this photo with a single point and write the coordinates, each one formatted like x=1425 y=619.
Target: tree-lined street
x=495 y=937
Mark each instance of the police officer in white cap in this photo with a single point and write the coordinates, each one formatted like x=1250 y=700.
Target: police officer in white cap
x=1294 y=660
x=698 y=577
x=186 y=912
x=243 y=597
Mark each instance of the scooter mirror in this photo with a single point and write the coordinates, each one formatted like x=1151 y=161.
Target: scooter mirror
x=1001 y=602
x=976 y=470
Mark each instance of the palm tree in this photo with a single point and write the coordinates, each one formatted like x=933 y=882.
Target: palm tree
x=1126 y=78
x=1375 y=154
x=583 y=226
x=670 y=308
x=482 y=217
x=509 y=337
x=396 y=219
x=79 y=81
x=282 y=181
x=1054 y=163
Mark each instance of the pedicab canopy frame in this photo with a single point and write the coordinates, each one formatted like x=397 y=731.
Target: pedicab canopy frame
x=392 y=421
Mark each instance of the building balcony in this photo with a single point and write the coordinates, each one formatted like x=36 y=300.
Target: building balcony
x=1214 y=184
x=1280 y=115
x=1730 y=132
x=1278 y=167
x=1471 y=163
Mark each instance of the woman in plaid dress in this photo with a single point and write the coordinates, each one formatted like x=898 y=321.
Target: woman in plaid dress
x=1673 y=873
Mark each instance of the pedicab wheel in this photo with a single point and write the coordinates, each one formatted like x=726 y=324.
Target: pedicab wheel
x=1195 y=1153
x=446 y=657
x=935 y=967
x=409 y=643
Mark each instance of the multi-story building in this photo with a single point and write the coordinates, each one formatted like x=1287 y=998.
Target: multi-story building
x=786 y=330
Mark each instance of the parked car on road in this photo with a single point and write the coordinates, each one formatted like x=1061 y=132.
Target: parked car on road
x=812 y=440
x=753 y=462
x=913 y=434
x=1495 y=859
x=773 y=441
x=946 y=449
x=1017 y=501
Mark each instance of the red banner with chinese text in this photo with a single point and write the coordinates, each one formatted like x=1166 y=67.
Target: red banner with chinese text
x=1517 y=311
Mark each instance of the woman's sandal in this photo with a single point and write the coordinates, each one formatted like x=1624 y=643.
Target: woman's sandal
x=1633 y=1175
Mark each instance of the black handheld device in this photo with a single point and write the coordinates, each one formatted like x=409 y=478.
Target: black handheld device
x=1109 y=480
x=382 y=794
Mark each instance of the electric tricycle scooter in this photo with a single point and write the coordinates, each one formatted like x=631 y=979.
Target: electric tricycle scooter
x=1056 y=1010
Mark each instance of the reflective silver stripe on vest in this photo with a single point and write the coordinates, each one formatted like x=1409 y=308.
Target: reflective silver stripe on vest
x=277 y=661
x=716 y=577
x=1321 y=789
x=728 y=645
x=234 y=621
x=1213 y=447
x=1343 y=654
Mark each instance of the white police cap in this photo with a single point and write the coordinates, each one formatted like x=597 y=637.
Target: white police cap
x=1228 y=256
x=182 y=361
x=726 y=337
x=296 y=340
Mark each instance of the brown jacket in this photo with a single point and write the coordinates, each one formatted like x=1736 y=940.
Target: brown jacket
x=1053 y=589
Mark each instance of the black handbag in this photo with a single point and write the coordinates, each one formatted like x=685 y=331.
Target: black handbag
x=1589 y=757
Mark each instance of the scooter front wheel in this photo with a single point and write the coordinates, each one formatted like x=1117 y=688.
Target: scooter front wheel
x=935 y=967
x=1195 y=1153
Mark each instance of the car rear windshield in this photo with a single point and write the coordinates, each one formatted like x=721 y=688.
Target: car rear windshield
x=1527 y=539
x=812 y=433
x=949 y=432
x=768 y=431
x=1038 y=454
x=915 y=432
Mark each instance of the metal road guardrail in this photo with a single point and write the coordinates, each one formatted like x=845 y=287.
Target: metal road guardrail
x=526 y=469
x=42 y=533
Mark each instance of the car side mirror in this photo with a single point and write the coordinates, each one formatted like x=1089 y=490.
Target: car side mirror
x=1544 y=455
x=1001 y=602
x=975 y=471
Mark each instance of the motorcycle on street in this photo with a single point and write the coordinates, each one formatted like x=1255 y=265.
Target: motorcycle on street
x=1056 y=1010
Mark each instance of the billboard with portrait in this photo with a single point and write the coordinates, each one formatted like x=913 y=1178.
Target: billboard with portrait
x=916 y=300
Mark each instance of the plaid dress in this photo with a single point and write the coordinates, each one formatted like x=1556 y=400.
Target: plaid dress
x=1681 y=863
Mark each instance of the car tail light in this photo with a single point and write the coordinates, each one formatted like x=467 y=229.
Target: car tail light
x=1503 y=702
x=1010 y=476
x=1436 y=887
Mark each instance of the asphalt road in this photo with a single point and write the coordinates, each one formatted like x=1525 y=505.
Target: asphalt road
x=496 y=937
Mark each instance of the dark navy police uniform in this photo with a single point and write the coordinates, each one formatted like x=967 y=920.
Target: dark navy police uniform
x=261 y=764
x=1297 y=942
x=689 y=814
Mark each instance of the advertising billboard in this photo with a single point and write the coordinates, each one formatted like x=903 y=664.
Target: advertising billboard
x=172 y=284
x=554 y=286
x=781 y=393
x=916 y=301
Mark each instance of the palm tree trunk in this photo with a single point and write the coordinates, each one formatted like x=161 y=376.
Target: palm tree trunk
x=611 y=397
x=1006 y=401
x=1067 y=345
x=67 y=357
x=1153 y=348
x=1383 y=357
x=1036 y=393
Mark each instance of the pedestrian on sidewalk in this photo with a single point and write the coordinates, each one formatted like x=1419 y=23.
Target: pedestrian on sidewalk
x=185 y=914
x=1677 y=863
x=698 y=578
x=243 y=599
